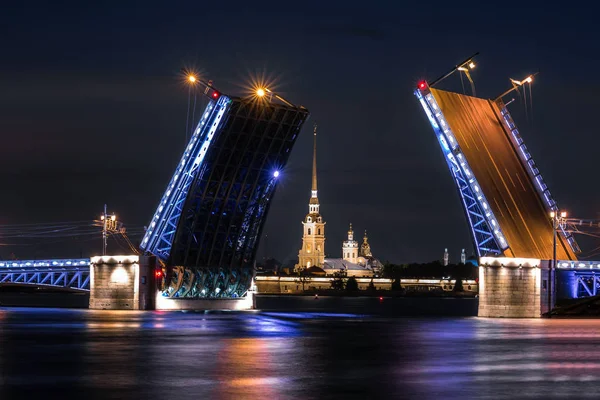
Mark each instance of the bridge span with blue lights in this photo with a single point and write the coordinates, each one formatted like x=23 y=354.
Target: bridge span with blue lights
x=69 y=273
x=580 y=278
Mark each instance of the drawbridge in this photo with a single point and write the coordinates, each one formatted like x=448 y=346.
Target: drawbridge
x=505 y=199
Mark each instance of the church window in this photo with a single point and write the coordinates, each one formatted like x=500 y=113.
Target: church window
x=308 y=220
x=319 y=231
x=309 y=231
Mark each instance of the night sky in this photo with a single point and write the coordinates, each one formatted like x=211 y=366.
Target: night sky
x=92 y=109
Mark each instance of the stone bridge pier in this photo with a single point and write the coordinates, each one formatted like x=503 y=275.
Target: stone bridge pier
x=122 y=283
x=515 y=287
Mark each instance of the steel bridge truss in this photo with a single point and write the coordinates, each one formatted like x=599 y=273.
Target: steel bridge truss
x=76 y=278
x=485 y=230
x=208 y=282
x=587 y=285
x=161 y=232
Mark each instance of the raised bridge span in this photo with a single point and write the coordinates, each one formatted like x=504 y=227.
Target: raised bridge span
x=504 y=196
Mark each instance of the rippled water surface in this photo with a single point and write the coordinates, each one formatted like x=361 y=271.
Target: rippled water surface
x=51 y=353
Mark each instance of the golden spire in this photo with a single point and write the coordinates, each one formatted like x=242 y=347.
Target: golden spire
x=314 y=172
x=314 y=200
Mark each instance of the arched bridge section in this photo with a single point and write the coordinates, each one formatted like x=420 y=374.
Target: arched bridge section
x=503 y=194
x=207 y=224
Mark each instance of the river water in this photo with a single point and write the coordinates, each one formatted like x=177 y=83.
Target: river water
x=85 y=354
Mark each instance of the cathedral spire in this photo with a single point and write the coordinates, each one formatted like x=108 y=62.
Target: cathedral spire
x=314 y=171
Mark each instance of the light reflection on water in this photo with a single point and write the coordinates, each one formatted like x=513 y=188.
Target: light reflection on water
x=252 y=355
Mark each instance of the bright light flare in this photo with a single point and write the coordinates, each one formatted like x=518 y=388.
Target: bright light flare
x=471 y=65
x=563 y=214
x=192 y=79
x=422 y=85
x=276 y=174
x=260 y=92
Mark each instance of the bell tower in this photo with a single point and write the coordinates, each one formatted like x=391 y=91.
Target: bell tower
x=350 y=247
x=313 y=239
x=365 y=247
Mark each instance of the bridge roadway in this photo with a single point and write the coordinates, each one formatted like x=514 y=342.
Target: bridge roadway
x=72 y=274
x=512 y=196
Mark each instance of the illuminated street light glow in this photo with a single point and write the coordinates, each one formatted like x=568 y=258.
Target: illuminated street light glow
x=276 y=174
x=260 y=92
x=471 y=65
x=192 y=78
x=563 y=214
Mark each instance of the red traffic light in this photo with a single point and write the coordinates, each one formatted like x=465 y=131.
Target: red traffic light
x=158 y=273
x=215 y=95
x=422 y=85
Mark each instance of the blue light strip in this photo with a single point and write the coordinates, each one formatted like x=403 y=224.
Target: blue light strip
x=487 y=234
x=63 y=262
x=158 y=239
x=533 y=172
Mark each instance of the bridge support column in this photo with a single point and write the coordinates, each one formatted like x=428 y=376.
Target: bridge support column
x=514 y=288
x=567 y=284
x=122 y=283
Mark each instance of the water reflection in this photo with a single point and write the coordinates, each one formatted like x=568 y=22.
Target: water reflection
x=101 y=354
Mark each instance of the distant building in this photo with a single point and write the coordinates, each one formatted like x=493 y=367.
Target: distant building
x=446 y=257
x=350 y=248
x=355 y=261
x=312 y=253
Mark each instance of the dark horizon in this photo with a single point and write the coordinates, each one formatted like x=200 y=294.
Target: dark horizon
x=93 y=111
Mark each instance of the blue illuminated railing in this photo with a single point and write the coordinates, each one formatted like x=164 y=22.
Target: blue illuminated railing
x=65 y=262
x=487 y=235
x=158 y=239
x=533 y=172
x=73 y=273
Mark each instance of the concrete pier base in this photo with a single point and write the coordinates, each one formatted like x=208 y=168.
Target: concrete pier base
x=122 y=283
x=514 y=287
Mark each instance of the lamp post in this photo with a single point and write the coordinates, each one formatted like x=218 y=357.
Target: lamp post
x=557 y=218
x=109 y=222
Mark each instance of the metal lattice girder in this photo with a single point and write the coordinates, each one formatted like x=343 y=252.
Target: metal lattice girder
x=159 y=236
x=228 y=203
x=208 y=282
x=488 y=238
x=212 y=213
x=64 y=277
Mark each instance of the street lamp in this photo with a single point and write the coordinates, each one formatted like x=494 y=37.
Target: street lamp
x=109 y=223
